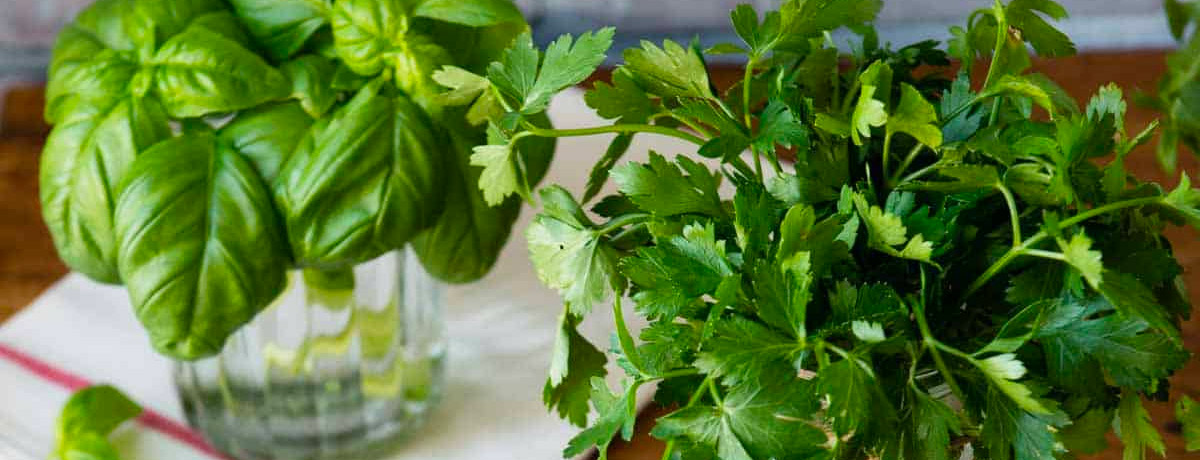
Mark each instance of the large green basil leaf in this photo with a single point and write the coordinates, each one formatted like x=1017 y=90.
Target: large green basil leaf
x=84 y=159
x=225 y=24
x=462 y=246
x=166 y=18
x=268 y=135
x=200 y=72
x=282 y=27
x=475 y=13
x=95 y=81
x=201 y=248
x=373 y=35
x=363 y=183
x=312 y=83
x=364 y=32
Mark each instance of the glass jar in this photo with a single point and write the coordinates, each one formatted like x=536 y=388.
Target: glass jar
x=341 y=365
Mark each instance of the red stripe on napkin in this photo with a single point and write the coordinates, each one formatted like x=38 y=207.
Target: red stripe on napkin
x=149 y=418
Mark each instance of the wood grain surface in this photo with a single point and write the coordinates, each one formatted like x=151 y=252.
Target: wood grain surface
x=28 y=263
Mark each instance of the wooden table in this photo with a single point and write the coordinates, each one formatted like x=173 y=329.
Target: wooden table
x=28 y=264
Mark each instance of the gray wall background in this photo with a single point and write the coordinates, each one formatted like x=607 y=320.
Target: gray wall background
x=1094 y=24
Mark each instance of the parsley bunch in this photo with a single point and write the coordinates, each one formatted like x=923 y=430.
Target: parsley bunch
x=943 y=268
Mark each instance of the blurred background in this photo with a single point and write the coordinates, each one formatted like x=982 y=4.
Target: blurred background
x=27 y=27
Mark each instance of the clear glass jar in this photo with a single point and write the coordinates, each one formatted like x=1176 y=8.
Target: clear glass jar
x=341 y=365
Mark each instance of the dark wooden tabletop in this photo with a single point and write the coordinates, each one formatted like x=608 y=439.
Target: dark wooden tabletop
x=28 y=264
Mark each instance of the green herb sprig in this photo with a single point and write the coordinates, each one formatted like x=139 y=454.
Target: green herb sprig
x=941 y=266
x=203 y=148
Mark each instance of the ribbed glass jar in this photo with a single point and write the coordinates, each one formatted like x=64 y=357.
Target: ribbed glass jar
x=341 y=366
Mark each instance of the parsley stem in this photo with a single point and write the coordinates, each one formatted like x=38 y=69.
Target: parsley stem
x=746 y=77
x=620 y=128
x=628 y=347
x=716 y=395
x=887 y=156
x=1001 y=35
x=1039 y=236
x=669 y=450
x=1013 y=213
x=686 y=122
x=621 y=222
x=678 y=373
x=912 y=156
x=932 y=343
x=1046 y=254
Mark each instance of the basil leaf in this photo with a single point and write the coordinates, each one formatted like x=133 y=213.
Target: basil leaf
x=312 y=83
x=200 y=72
x=364 y=184
x=168 y=18
x=363 y=31
x=282 y=26
x=476 y=13
x=84 y=160
x=96 y=80
x=268 y=135
x=87 y=418
x=462 y=246
x=202 y=250
x=224 y=23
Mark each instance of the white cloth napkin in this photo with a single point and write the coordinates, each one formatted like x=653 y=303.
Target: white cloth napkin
x=501 y=332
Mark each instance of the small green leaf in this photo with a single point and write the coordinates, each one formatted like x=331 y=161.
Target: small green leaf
x=567 y=62
x=615 y=414
x=574 y=363
x=1134 y=427
x=1003 y=370
x=670 y=71
x=312 y=83
x=282 y=26
x=87 y=419
x=869 y=113
x=200 y=72
x=916 y=117
x=660 y=187
x=569 y=255
x=868 y=332
x=1080 y=255
x=1187 y=412
x=886 y=231
x=623 y=100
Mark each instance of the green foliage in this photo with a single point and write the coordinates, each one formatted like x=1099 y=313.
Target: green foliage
x=832 y=309
x=87 y=419
x=341 y=147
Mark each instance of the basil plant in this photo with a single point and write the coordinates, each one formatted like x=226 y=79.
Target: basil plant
x=202 y=148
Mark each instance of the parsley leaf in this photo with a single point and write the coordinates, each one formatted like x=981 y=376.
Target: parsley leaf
x=567 y=62
x=742 y=350
x=855 y=398
x=568 y=253
x=753 y=421
x=669 y=71
x=886 y=231
x=932 y=424
x=623 y=100
x=574 y=363
x=1187 y=412
x=616 y=413
x=916 y=117
x=660 y=187
x=1131 y=354
x=1135 y=429
x=672 y=275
